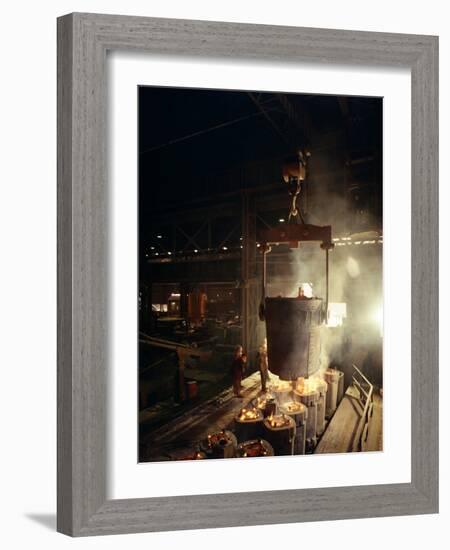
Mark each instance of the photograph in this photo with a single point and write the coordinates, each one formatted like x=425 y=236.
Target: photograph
x=222 y=250
x=260 y=245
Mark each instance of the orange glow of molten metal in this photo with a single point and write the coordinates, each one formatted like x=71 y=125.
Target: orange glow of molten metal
x=278 y=420
x=261 y=401
x=254 y=448
x=217 y=438
x=249 y=414
x=293 y=406
x=308 y=385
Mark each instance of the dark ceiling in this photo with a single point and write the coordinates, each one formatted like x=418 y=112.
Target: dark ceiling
x=196 y=144
x=187 y=135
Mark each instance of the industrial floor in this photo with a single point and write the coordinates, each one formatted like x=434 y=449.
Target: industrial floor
x=213 y=415
x=181 y=434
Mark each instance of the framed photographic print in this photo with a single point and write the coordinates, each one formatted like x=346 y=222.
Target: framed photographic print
x=247 y=274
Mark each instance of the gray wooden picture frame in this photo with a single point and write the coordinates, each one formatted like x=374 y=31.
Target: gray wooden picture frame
x=83 y=41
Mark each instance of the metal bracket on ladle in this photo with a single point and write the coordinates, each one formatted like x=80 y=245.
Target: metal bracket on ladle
x=294 y=172
x=293 y=234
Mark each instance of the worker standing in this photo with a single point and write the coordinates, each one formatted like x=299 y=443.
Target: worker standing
x=263 y=365
x=237 y=369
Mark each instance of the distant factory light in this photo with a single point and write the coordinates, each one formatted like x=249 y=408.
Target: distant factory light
x=152 y=248
x=169 y=253
x=196 y=251
x=159 y=236
x=156 y=253
x=357 y=242
x=281 y=220
x=258 y=245
x=224 y=247
x=146 y=255
x=336 y=239
x=346 y=238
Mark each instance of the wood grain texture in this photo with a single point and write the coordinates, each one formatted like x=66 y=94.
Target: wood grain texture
x=83 y=40
x=425 y=273
x=64 y=335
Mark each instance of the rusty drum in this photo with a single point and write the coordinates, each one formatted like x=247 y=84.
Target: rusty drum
x=248 y=423
x=332 y=377
x=254 y=448
x=279 y=431
x=299 y=413
x=321 y=387
x=219 y=445
x=310 y=398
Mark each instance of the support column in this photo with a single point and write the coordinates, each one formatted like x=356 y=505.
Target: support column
x=252 y=333
x=184 y=301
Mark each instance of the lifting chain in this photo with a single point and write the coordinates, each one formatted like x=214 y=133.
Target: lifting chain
x=294 y=187
x=294 y=214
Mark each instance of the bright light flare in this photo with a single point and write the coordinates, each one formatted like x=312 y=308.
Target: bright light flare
x=307 y=289
x=377 y=318
x=337 y=312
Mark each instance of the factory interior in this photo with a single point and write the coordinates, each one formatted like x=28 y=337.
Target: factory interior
x=260 y=274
